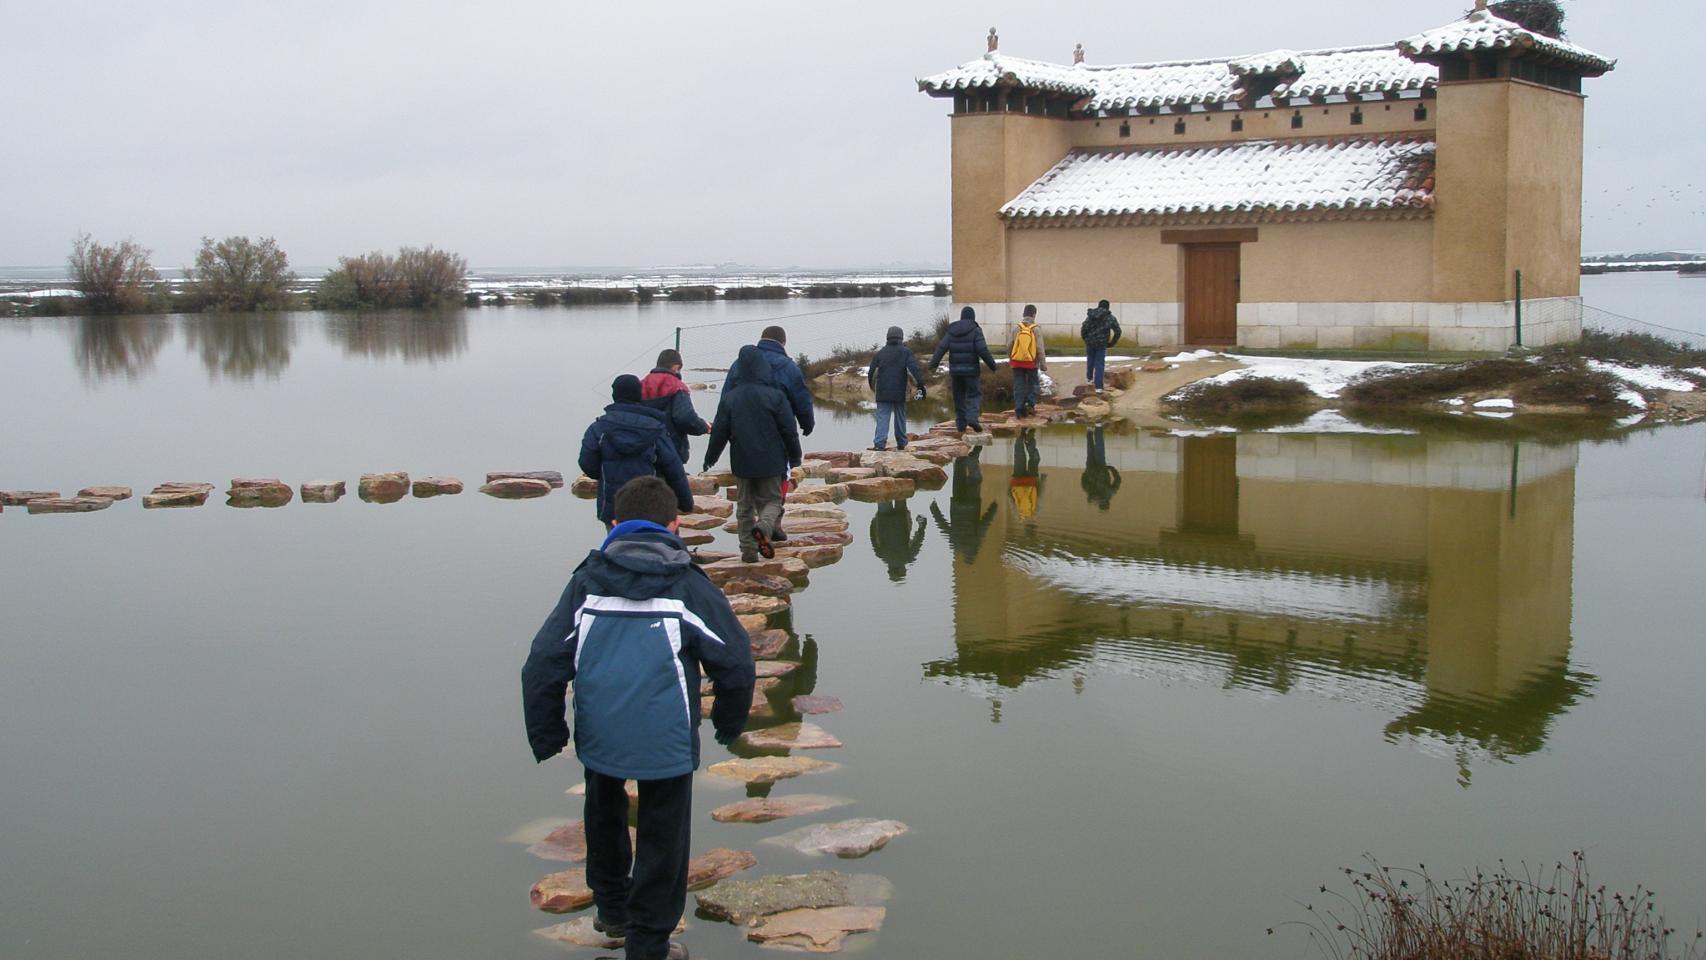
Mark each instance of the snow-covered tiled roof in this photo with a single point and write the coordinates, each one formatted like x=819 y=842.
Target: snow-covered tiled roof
x=1253 y=179
x=1484 y=30
x=994 y=70
x=1358 y=70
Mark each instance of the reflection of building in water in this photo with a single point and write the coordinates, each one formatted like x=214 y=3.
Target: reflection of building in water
x=1430 y=576
x=414 y=336
x=242 y=346
x=109 y=347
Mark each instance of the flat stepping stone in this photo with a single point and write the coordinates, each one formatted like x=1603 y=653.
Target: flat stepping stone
x=759 y=709
x=552 y=477
x=836 y=458
x=717 y=864
x=322 y=491
x=828 y=511
x=821 y=930
x=769 y=769
x=584 y=487
x=812 y=468
x=762 y=684
x=827 y=538
x=881 y=488
x=844 y=838
x=745 y=902
x=177 y=495
x=253 y=492
x=699 y=521
x=67 y=504
x=742 y=603
x=766 y=644
x=796 y=526
x=566 y=843
x=437 y=486
x=702 y=485
x=812 y=557
x=561 y=892
x=579 y=933
x=17 y=498
x=106 y=492
x=761 y=584
x=753 y=622
x=515 y=488
x=774 y=668
x=707 y=557
x=817 y=493
x=766 y=809
x=695 y=538
x=735 y=568
x=791 y=736
x=814 y=705
x=844 y=474
x=382 y=487
x=714 y=506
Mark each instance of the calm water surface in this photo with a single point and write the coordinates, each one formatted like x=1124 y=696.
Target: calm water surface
x=1147 y=716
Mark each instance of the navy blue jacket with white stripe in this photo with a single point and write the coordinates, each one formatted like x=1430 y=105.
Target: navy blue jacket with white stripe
x=631 y=631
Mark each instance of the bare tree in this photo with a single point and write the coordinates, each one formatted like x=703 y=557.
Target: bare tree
x=112 y=278
x=413 y=278
x=431 y=277
x=369 y=280
x=238 y=273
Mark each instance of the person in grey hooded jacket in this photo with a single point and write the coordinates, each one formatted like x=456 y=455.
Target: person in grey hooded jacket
x=890 y=370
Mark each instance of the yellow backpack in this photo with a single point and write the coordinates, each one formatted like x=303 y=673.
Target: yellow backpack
x=1024 y=348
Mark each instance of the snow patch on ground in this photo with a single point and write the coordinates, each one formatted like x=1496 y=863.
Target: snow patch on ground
x=1497 y=403
x=1325 y=378
x=1633 y=398
x=1188 y=356
x=1647 y=378
x=1697 y=371
x=1453 y=402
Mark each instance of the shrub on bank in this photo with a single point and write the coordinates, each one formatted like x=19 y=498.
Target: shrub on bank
x=1245 y=394
x=586 y=296
x=239 y=274
x=1632 y=348
x=543 y=298
x=415 y=277
x=694 y=293
x=113 y=278
x=769 y=292
x=1558 y=381
x=472 y=299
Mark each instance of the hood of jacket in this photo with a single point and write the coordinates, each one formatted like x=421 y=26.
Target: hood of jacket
x=1097 y=313
x=896 y=335
x=639 y=565
x=661 y=382
x=962 y=328
x=632 y=428
x=751 y=366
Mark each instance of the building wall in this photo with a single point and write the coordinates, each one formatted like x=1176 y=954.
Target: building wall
x=1543 y=234
x=1274 y=123
x=995 y=155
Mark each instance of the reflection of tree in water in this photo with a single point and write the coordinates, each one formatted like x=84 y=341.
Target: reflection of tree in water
x=413 y=336
x=110 y=347
x=895 y=539
x=1100 y=481
x=242 y=345
x=967 y=522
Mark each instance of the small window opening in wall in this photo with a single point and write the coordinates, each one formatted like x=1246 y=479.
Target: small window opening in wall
x=1237 y=124
x=1179 y=125
x=1327 y=110
x=1152 y=121
x=1421 y=111
x=1356 y=117
x=1389 y=108
x=1125 y=129
x=1297 y=120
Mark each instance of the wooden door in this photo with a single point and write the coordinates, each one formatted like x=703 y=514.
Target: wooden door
x=1211 y=293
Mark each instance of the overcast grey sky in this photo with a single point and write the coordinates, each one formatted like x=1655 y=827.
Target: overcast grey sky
x=556 y=132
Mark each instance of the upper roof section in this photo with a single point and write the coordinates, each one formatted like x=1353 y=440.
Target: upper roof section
x=1392 y=68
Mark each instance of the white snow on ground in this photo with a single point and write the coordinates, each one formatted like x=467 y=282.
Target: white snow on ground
x=1325 y=378
x=1200 y=431
x=1647 y=378
x=1698 y=371
x=1453 y=402
x=1498 y=403
x=1193 y=355
x=1634 y=399
x=1332 y=421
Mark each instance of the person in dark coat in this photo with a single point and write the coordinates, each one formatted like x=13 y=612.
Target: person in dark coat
x=894 y=538
x=964 y=346
x=755 y=422
x=664 y=391
x=630 y=440
x=631 y=631
x=785 y=374
x=1100 y=330
x=890 y=370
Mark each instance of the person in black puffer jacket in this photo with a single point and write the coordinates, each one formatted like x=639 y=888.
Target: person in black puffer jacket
x=756 y=422
x=630 y=440
x=1100 y=330
x=964 y=346
x=890 y=369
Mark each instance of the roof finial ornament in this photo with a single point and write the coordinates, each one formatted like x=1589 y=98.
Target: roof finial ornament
x=1078 y=53
x=1481 y=5
x=994 y=41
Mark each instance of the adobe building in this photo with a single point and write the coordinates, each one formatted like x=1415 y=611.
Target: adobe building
x=1377 y=198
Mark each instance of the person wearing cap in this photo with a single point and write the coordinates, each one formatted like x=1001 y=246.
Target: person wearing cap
x=631 y=440
x=964 y=346
x=785 y=375
x=890 y=370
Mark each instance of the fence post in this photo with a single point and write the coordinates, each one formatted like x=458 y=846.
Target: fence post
x=677 y=339
x=1519 y=308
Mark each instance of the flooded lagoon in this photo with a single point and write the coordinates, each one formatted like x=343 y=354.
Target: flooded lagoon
x=1146 y=711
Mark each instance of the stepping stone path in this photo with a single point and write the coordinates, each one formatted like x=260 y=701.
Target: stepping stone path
x=880 y=488
x=515 y=488
x=322 y=491
x=699 y=521
x=766 y=809
x=695 y=538
x=437 y=486
x=766 y=644
x=259 y=493
x=844 y=474
x=17 y=498
x=816 y=931
x=769 y=586
x=828 y=538
x=817 y=493
x=812 y=468
x=106 y=492
x=823 y=510
x=745 y=902
x=768 y=769
x=696 y=482
x=177 y=495
x=752 y=603
x=814 y=705
x=790 y=736
x=844 y=838
x=382 y=487
x=715 y=506
x=794 y=525
x=811 y=556
x=67 y=504
x=567 y=843
x=724 y=571
x=904 y=464
x=836 y=458
x=551 y=477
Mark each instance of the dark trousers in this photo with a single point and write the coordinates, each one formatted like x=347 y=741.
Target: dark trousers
x=968 y=398
x=650 y=901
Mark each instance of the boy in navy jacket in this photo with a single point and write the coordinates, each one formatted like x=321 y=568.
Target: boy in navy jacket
x=633 y=628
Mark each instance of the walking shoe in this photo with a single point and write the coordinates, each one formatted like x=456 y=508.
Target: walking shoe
x=677 y=951
x=882 y=446
x=749 y=556
x=977 y=428
x=615 y=931
x=780 y=536
x=765 y=550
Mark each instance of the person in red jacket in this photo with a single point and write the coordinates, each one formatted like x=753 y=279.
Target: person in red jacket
x=663 y=390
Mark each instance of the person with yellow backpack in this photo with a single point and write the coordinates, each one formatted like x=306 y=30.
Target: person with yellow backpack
x=1026 y=356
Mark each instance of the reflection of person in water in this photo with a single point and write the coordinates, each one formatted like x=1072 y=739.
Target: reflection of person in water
x=1024 y=487
x=894 y=538
x=967 y=520
x=1100 y=481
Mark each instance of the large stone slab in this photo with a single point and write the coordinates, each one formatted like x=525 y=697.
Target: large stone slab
x=694 y=538
x=809 y=705
x=437 y=486
x=699 y=521
x=322 y=491
x=881 y=488
x=567 y=842
x=580 y=933
x=106 y=492
x=766 y=644
x=812 y=557
x=1094 y=408
x=382 y=487
x=17 y=498
x=515 y=488
x=717 y=864
x=562 y=892
x=552 y=477
x=811 y=468
x=744 y=603
x=844 y=474
x=715 y=506
x=791 y=736
x=774 y=668
x=761 y=584
x=67 y=504
x=769 y=769
x=704 y=557
x=177 y=494
x=935 y=456
x=745 y=902
x=736 y=569
x=766 y=809
x=825 y=538
x=817 y=493
x=844 y=838
x=759 y=709
x=701 y=485
x=825 y=511
x=256 y=492
x=584 y=487
x=835 y=458
x=820 y=930
x=753 y=622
